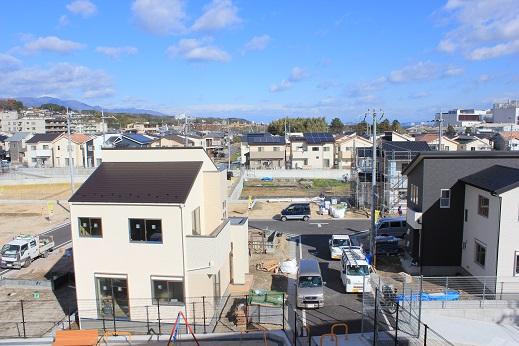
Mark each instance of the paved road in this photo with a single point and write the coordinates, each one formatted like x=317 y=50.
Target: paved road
x=339 y=306
x=60 y=234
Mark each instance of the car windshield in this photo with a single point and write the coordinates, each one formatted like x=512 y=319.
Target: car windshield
x=310 y=281
x=10 y=249
x=358 y=270
x=341 y=242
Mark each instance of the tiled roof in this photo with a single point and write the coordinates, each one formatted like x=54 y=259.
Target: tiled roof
x=44 y=137
x=495 y=179
x=139 y=182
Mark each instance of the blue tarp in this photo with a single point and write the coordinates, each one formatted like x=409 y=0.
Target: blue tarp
x=428 y=297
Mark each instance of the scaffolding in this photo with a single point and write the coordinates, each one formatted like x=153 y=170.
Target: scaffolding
x=391 y=184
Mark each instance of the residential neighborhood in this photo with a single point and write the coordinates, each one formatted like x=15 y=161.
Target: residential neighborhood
x=224 y=172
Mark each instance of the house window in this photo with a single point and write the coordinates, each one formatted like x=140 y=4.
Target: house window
x=480 y=254
x=483 y=206
x=466 y=215
x=168 y=292
x=90 y=227
x=58 y=147
x=516 y=267
x=67 y=162
x=326 y=163
x=142 y=230
x=33 y=147
x=195 y=215
x=315 y=148
x=33 y=159
x=224 y=208
x=445 y=198
x=260 y=149
x=276 y=148
x=45 y=147
x=305 y=162
x=326 y=148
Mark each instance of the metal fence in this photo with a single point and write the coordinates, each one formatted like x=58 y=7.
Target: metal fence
x=390 y=316
x=231 y=313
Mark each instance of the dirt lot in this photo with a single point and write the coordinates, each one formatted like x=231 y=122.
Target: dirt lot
x=294 y=188
x=36 y=191
x=269 y=281
x=268 y=210
x=29 y=219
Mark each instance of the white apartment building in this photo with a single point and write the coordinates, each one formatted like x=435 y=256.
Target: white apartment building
x=150 y=230
x=32 y=124
x=506 y=112
x=5 y=117
x=462 y=117
x=312 y=151
x=490 y=239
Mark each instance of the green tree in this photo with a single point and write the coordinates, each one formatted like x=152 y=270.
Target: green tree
x=395 y=126
x=336 y=126
x=383 y=126
x=11 y=105
x=53 y=107
x=451 y=132
x=361 y=128
x=468 y=130
x=277 y=127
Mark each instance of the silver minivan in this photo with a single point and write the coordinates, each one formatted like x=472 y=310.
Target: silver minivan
x=394 y=226
x=310 y=293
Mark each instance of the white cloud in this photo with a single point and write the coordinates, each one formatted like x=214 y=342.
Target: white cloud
x=296 y=74
x=116 y=52
x=258 y=42
x=217 y=15
x=63 y=21
x=422 y=71
x=160 y=17
x=484 y=29
x=198 y=50
x=9 y=62
x=60 y=80
x=498 y=50
x=50 y=44
x=420 y=95
x=418 y=72
x=84 y=8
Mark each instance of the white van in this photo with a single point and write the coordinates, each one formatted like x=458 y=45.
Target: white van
x=355 y=271
x=337 y=243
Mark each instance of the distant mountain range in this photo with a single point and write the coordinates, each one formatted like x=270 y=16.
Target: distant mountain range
x=80 y=106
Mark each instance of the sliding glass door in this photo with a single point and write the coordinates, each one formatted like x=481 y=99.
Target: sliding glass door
x=112 y=297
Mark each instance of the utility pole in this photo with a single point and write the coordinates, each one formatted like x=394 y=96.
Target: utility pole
x=373 y=230
x=229 y=143
x=69 y=149
x=185 y=130
x=104 y=131
x=440 y=124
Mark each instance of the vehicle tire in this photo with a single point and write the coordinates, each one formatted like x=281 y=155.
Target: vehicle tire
x=283 y=218
x=305 y=218
x=27 y=262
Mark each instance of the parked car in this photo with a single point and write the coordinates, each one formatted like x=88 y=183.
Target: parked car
x=394 y=226
x=296 y=211
x=267 y=179
x=337 y=243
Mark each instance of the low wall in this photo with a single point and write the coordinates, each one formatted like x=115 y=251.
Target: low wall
x=506 y=313
x=298 y=173
x=33 y=284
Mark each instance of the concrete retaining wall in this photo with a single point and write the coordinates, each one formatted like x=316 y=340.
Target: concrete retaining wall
x=494 y=311
x=298 y=173
x=33 y=284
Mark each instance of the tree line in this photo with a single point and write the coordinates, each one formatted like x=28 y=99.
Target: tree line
x=336 y=126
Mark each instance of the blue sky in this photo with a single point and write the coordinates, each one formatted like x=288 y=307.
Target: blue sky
x=264 y=59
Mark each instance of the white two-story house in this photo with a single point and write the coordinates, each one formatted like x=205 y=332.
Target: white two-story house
x=312 y=151
x=491 y=219
x=151 y=236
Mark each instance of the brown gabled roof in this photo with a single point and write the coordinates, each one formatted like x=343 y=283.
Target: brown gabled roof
x=139 y=182
x=43 y=137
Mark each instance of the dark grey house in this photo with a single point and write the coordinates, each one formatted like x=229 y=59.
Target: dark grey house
x=435 y=205
x=16 y=146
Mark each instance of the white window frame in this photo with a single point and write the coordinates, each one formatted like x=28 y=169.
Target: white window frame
x=445 y=199
x=480 y=198
x=516 y=273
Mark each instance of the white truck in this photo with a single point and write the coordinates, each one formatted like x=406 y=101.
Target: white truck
x=23 y=249
x=355 y=271
x=337 y=243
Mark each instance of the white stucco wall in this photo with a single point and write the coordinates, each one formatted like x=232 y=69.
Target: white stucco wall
x=509 y=234
x=485 y=230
